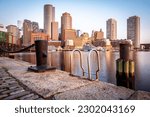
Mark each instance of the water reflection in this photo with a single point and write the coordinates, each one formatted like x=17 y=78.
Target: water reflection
x=125 y=80
x=107 y=73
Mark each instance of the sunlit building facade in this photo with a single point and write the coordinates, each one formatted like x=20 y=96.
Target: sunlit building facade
x=54 y=31
x=133 y=30
x=99 y=34
x=66 y=23
x=69 y=34
x=27 y=30
x=111 y=29
x=49 y=17
x=14 y=31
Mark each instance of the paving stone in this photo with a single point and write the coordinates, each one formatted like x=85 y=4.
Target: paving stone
x=4 y=89
x=11 y=91
x=26 y=96
x=17 y=92
x=10 y=88
x=17 y=95
x=6 y=78
x=1 y=81
x=3 y=96
x=4 y=85
x=13 y=86
x=32 y=97
x=39 y=99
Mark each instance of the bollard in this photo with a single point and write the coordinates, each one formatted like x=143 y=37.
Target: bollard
x=41 y=52
x=124 y=51
x=41 y=47
x=125 y=68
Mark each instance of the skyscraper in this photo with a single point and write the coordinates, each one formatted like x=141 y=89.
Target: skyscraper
x=66 y=22
x=35 y=27
x=111 y=25
x=15 y=33
x=133 y=30
x=49 y=17
x=27 y=29
x=54 y=30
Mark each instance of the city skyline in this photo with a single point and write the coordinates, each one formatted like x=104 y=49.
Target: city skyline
x=86 y=15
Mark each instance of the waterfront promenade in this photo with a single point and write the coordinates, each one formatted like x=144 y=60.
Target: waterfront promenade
x=11 y=88
x=16 y=82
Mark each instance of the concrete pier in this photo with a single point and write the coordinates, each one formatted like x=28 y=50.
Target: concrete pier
x=59 y=85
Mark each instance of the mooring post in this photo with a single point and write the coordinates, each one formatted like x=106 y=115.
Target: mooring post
x=41 y=47
x=41 y=52
x=124 y=66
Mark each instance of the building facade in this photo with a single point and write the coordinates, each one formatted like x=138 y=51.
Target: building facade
x=14 y=31
x=2 y=28
x=66 y=22
x=54 y=31
x=27 y=30
x=69 y=34
x=35 y=27
x=133 y=30
x=99 y=34
x=111 y=29
x=49 y=17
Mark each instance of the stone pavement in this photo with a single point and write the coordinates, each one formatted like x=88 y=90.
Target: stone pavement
x=11 y=89
x=59 y=85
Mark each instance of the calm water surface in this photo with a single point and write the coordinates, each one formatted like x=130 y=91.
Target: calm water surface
x=61 y=60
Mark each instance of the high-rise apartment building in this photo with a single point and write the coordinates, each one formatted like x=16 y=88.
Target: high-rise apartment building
x=20 y=27
x=54 y=30
x=49 y=17
x=20 y=24
x=111 y=30
x=14 y=32
x=35 y=27
x=27 y=29
x=133 y=30
x=66 y=22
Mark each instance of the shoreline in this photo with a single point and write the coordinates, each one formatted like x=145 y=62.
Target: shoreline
x=59 y=85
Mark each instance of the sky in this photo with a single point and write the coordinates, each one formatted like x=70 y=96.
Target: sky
x=87 y=15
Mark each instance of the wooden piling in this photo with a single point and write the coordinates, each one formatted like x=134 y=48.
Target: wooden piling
x=119 y=63
x=131 y=68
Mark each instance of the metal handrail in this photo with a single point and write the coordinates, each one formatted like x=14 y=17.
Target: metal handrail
x=71 y=61
x=89 y=63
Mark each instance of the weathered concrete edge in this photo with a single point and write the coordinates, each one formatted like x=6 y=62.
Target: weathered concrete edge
x=136 y=95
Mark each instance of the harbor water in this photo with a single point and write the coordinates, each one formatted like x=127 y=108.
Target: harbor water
x=61 y=59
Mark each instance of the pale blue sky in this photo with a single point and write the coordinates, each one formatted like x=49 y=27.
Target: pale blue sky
x=87 y=15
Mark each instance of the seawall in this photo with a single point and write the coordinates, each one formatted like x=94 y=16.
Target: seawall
x=59 y=85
